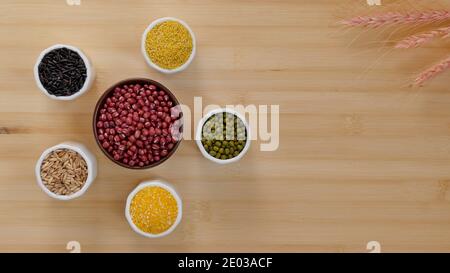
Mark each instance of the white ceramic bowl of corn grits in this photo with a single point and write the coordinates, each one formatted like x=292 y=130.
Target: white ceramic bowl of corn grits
x=91 y=163
x=90 y=73
x=198 y=136
x=155 y=66
x=154 y=183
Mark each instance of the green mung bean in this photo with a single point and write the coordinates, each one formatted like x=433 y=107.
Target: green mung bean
x=224 y=135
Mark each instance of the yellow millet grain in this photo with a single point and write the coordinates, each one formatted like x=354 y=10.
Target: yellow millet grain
x=154 y=210
x=169 y=45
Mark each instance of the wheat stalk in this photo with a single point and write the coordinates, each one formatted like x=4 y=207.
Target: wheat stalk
x=396 y=18
x=422 y=38
x=432 y=72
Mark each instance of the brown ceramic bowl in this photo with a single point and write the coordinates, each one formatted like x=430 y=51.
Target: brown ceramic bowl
x=102 y=100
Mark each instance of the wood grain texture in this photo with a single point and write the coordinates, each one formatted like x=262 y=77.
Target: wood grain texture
x=362 y=157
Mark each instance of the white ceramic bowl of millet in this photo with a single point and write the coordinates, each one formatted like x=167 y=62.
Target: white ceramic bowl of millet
x=149 y=60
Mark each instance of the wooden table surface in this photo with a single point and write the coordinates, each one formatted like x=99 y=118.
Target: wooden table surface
x=362 y=156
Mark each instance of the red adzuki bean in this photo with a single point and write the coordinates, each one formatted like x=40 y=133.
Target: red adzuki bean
x=133 y=124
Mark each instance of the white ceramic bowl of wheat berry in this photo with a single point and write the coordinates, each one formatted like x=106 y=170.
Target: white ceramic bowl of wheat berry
x=148 y=59
x=90 y=73
x=198 y=136
x=91 y=163
x=154 y=183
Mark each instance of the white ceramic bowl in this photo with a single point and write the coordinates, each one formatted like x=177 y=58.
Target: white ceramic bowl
x=89 y=73
x=87 y=156
x=155 y=66
x=157 y=183
x=198 y=136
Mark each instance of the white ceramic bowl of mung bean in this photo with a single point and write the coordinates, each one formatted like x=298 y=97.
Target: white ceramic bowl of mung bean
x=149 y=60
x=199 y=132
x=86 y=155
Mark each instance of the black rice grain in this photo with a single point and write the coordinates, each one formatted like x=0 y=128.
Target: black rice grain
x=62 y=72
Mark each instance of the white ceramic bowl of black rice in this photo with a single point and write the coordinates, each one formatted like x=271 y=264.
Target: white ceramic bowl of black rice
x=63 y=72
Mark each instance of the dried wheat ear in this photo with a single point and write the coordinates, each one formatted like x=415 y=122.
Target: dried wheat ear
x=413 y=41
